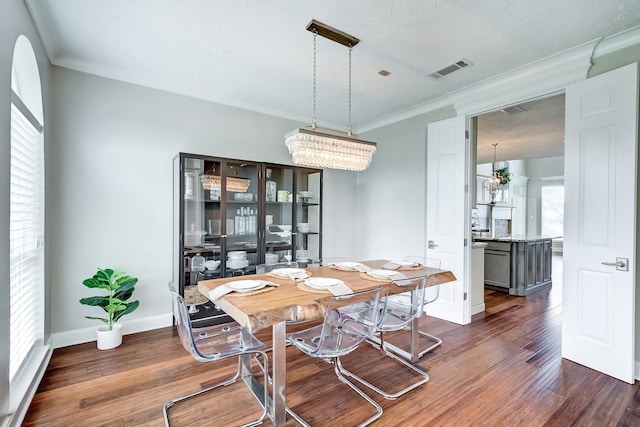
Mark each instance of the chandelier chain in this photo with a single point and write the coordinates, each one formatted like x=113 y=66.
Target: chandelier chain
x=349 y=128
x=313 y=118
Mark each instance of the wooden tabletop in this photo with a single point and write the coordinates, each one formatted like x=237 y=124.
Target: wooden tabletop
x=289 y=303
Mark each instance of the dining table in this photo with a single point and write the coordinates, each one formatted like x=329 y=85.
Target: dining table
x=289 y=300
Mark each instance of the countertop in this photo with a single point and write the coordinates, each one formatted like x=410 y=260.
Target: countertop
x=486 y=237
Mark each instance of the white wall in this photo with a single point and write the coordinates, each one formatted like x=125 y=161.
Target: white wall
x=111 y=187
x=14 y=21
x=391 y=210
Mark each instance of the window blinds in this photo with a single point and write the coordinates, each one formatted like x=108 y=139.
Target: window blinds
x=26 y=231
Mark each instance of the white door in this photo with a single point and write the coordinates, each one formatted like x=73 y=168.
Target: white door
x=600 y=213
x=447 y=214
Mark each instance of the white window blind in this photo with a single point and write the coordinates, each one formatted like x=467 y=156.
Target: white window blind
x=26 y=231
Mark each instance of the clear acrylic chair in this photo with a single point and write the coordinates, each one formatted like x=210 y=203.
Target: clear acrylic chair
x=265 y=268
x=349 y=320
x=396 y=314
x=431 y=294
x=212 y=343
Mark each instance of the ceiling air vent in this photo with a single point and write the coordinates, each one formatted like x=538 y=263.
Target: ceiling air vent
x=515 y=109
x=450 y=68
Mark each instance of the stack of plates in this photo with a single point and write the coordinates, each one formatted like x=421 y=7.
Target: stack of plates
x=237 y=260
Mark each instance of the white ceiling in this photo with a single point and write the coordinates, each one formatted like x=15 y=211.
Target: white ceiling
x=256 y=54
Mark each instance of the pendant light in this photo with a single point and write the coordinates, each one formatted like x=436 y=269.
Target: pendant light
x=313 y=147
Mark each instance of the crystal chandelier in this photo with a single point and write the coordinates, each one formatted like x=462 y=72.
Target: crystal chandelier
x=498 y=177
x=310 y=146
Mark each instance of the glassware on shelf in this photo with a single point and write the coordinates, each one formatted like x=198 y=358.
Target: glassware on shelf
x=197 y=262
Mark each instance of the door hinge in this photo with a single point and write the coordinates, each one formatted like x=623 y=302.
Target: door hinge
x=465 y=296
x=466 y=134
x=466 y=188
x=466 y=242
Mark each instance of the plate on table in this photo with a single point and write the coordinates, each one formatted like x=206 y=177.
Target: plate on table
x=322 y=282
x=405 y=263
x=246 y=285
x=287 y=272
x=348 y=265
x=382 y=274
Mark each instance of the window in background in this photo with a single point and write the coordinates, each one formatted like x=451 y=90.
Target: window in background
x=552 y=210
x=26 y=230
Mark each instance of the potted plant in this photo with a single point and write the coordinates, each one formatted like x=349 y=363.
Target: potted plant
x=504 y=175
x=119 y=288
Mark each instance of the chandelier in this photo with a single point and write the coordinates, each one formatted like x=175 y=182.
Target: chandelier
x=311 y=146
x=499 y=177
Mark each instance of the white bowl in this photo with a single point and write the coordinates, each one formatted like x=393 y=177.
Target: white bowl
x=212 y=264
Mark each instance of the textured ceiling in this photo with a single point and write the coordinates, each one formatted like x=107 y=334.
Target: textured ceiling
x=256 y=54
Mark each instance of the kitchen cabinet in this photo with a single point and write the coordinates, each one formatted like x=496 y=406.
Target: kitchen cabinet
x=519 y=265
x=231 y=215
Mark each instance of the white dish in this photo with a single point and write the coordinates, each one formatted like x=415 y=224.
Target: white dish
x=237 y=264
x=347 y=264
x=287 y=272
x=381 y=274
x=212 y=264
x=322 y=282
x=246 y=285
x=405 y=263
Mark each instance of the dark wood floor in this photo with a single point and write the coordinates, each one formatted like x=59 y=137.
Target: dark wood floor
x=504 y=369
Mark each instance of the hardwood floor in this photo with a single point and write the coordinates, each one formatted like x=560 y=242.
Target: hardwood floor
x=503 y=369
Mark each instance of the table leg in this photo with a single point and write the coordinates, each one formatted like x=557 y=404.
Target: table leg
x=279 y=364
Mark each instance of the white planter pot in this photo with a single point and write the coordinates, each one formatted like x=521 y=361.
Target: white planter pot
x=108 y=339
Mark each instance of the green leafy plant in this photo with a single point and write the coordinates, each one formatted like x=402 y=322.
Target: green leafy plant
x=504 y=175
x=119 y=287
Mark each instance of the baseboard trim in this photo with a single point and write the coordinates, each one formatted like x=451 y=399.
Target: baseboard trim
x=477 y=309
x=81 y=336
x=637 y=370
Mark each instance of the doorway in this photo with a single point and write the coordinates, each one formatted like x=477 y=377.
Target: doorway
x=527 y=141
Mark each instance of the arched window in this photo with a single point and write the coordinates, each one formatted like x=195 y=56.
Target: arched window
x=26 y=218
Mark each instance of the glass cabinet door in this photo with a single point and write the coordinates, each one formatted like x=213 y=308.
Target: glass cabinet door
x=278 y=214
x=202 y=218
x=308 y=215
x=240 y=251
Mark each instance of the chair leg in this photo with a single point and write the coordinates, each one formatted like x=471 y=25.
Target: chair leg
x=336 y=362
x=234 y=379
x=437 y=342
x=336 y=368
x=385 y=394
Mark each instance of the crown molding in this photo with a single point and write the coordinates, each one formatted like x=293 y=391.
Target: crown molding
x=617 y=42
x=549 y=75
x=408 y=113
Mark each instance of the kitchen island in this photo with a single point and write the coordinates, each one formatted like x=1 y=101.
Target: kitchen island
x=518 y=264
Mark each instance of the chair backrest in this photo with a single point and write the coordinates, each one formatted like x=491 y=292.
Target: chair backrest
x=432 y=292
x=211 y=342
x=265 y=268
x=327 y=261
x=349 y=320
x=399 y=310
x=426 y=261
